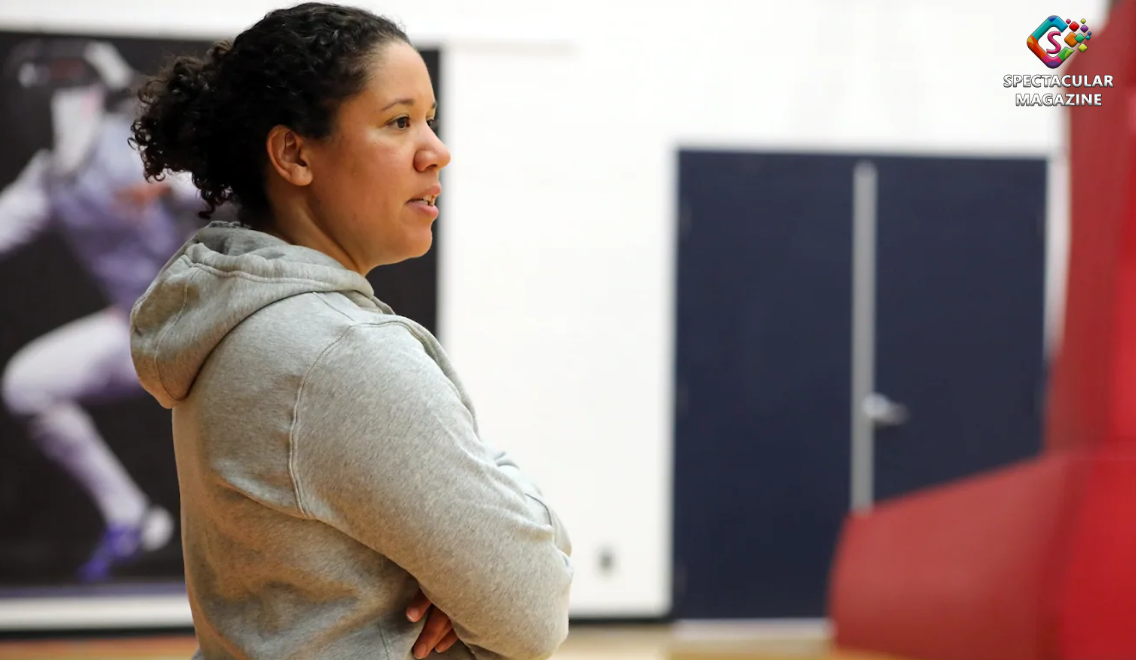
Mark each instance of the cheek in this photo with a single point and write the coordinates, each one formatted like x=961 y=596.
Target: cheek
x=370 y=185
x=376 y=176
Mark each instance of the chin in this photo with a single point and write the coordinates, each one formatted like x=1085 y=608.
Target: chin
x=422 y=239
x=412 y=249
x=423 y=246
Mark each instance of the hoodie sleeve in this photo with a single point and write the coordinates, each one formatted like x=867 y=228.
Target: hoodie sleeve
x=385 y=450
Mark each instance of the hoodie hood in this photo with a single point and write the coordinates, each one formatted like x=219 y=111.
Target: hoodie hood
x=223 y=275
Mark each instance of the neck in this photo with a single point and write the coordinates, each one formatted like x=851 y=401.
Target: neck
x=295 y=224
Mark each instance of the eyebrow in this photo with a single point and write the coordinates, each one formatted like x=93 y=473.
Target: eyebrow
x=407 y=102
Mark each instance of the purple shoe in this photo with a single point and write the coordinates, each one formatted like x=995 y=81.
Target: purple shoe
x=118 y=545
x=122 y=543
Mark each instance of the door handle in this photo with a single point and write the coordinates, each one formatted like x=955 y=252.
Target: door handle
x=882 y=411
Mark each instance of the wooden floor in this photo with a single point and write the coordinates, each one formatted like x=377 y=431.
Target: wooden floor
x=585 y=643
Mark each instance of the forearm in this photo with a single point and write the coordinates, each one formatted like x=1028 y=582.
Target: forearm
x=24 y=207
x=537 y=502
x=21 y=220
x=14 y=233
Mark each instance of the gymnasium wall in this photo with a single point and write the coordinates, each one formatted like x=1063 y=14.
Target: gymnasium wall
x=557 y=265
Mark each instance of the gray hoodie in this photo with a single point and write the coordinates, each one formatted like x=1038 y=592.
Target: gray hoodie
x=330 y=465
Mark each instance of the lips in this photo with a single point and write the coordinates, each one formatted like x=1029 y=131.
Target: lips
x=428 y=196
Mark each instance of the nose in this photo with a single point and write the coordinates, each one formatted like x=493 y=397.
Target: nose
x=432 y=154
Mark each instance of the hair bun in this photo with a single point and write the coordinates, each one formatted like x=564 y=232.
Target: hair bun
x=169 y=132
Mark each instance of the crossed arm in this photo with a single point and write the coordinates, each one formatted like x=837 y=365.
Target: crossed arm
x=408 y=476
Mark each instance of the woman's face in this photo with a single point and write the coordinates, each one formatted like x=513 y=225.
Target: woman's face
x=375 y=179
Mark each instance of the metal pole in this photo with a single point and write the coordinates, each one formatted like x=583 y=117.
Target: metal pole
x=863 y=330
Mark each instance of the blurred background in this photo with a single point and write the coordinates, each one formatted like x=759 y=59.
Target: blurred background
x=833 y=341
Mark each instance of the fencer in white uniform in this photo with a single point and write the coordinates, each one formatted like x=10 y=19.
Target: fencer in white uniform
x=78 y=188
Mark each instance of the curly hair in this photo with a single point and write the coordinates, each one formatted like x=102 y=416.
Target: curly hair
x=210 y=116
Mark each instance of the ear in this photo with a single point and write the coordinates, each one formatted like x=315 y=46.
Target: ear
x=287 y=155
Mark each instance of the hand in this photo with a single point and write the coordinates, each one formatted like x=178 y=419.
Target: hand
x=438 y=634
x=143 y=194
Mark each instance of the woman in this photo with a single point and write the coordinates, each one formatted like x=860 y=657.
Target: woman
x=336 y=498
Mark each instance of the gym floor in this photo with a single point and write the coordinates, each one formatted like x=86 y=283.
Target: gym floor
x=724 y=642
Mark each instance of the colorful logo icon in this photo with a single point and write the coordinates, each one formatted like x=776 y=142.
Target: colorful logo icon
x=1078 y=35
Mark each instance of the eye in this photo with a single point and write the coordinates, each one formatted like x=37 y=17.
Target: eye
x=403 y=123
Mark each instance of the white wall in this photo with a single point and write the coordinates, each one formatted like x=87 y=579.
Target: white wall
x=559 y=303
x=564 y=120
